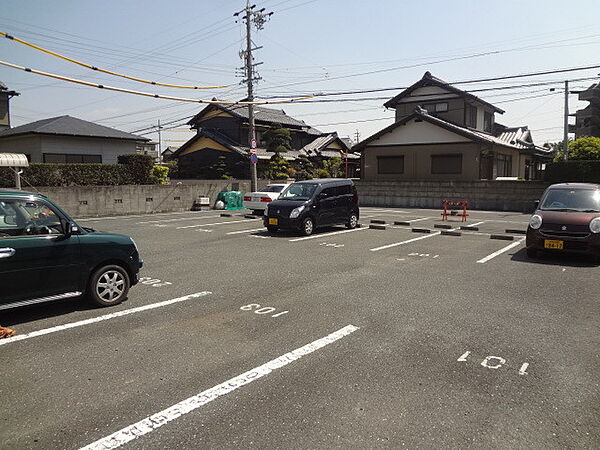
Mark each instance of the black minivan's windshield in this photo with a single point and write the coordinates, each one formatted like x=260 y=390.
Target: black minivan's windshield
x=580 y=200
x=273 y=188
x=299 y=191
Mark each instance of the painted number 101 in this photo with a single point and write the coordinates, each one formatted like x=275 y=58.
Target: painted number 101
x=262 y=310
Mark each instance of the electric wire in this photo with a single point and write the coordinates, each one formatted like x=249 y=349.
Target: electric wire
x=148 y=94
x=99 y=69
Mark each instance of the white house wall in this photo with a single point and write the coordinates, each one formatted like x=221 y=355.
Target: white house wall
x=110 y=149
x=426 y=93
x=418 y=133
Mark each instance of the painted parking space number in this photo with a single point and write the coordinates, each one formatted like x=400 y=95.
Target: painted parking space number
x=326 y=244
x=154 y=282
x=262 y=310
x=493 y=362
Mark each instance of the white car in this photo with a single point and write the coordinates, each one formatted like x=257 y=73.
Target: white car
x=258 y=201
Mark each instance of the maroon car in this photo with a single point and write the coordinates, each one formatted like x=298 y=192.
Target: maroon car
x=567 y=219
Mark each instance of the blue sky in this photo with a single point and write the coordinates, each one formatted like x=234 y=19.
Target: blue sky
x=308 y=47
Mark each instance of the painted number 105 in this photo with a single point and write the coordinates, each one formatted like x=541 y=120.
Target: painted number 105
x=262 y=310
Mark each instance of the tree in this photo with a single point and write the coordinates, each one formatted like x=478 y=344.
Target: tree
x=221 y=169
x=333 y=166
x=585 y=148
x=278 y=139
x=304 y=168
x=278 y=167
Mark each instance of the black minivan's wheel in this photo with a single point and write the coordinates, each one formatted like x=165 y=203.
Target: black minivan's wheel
x=531 y=252
x=352 y=221
x=271 y=229
x=308 y=226
x=108 y=285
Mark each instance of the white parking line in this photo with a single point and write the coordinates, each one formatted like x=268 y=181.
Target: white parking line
x=126 y=216
x=316 y=236
x=476 y=223
x=165 y=416
x=395 y=244
x=419 y=220
x=178 y=219
x=502 y=250
x=81 y=323
x=384 y=211
x=215 y=223
x=246 y=231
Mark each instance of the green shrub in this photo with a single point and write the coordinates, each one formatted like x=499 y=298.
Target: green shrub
x=173 y=168
x=134 y=170
x=140 y=167
x=160 y=174
x=278 y=168
x=68 y=175
x=573 y=170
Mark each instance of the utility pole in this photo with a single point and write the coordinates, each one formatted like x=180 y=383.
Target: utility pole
x=159 y=155
x=357 y=136
x=566 y=121
x=258 y=18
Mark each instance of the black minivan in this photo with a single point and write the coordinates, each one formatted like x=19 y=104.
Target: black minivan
x=307 y=205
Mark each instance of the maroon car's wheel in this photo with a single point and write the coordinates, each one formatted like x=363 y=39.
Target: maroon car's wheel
x=108 y=285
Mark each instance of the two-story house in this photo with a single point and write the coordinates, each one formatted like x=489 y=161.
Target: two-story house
x=444 y=133
x=222 y=139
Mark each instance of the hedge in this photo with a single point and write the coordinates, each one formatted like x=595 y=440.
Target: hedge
x=133 y=169
x=140 y=167
x=574 y=170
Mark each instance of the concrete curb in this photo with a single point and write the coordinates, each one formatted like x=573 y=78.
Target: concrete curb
x=502 y=237
x=516 y=231
x=420 y=230
x=377 y=227
x=451 y=233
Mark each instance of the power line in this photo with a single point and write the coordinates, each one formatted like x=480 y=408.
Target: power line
x=498 y=88
x=99 y=69
x=145 y=94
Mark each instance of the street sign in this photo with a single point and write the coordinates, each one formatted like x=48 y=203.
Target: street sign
x=252 y=143
x=253 y=158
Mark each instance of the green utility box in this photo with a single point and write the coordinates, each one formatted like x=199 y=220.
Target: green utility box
x=231 y=199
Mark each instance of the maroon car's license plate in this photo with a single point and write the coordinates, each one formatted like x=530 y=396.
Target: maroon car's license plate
x=554 y=244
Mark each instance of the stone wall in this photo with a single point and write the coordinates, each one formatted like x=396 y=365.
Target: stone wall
x=486 y=195
x=97 y=201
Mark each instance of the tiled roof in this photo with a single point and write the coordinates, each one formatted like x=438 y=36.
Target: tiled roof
x=261 y=114
x=71 y=126
x=469 y=133
x=517 y=136
x=320 y=144
x=261 y=152
x=430 y=80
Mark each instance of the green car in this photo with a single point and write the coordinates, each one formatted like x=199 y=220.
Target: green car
x=45 y=256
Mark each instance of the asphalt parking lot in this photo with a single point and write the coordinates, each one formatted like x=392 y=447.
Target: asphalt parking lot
x=359 y=338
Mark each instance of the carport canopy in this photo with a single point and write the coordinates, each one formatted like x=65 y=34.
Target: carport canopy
x=13 y=160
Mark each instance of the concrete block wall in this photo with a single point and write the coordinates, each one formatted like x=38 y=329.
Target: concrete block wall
x=98 y=201
x=485 y=195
